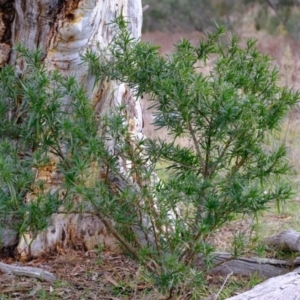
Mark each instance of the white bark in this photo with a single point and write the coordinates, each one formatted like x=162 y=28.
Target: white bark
x=27 y=271
x=65 y=30
x=285 y=287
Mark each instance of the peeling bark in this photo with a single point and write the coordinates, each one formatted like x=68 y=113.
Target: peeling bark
x=7 y=14
x=65 y=29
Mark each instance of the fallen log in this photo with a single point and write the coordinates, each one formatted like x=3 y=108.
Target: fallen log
x=225 y=263
x=28 y=272
x=285 y=240
x=285 y=287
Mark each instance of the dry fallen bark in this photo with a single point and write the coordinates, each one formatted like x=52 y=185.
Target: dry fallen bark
x=28 y=272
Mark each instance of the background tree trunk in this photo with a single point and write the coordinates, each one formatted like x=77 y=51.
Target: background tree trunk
x=64 y=30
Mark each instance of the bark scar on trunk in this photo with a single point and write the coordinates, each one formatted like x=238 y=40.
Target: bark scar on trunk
x=7 y=14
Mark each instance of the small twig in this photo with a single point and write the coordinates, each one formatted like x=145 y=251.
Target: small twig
x=225 y=281
x=111 y=228
x=216 y=296
x=145 y=7
x=197 y=147
x=212 y=169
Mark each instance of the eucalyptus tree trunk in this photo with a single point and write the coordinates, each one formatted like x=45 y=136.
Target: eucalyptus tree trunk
x=65 y=29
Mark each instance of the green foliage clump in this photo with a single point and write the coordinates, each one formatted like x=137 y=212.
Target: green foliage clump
x=227 y=114
x=47 y=120
x=47 y=125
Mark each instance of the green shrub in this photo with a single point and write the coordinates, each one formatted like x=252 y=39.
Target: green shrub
x=228 y=114
x=45 y=119
x=228 y=170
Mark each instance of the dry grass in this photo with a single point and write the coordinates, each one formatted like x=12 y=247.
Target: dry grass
x=82 y=275
x=96 y=275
